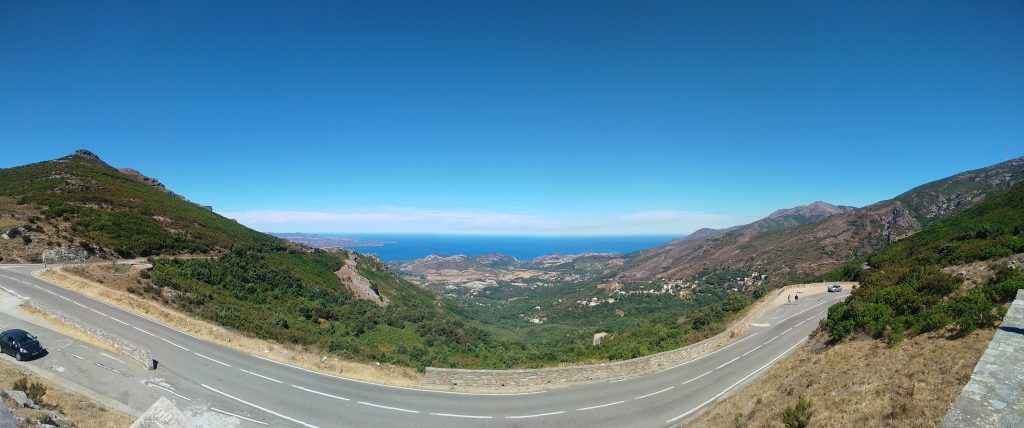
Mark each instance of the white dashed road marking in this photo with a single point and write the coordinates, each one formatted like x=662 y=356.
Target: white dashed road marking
x=321 y=393
x=239 y=416
x=698 y=377
x=15 y=294
x=258 y=407
x=601 y=405
x=499 y=395
x=111 y=357
x=211 y=359
x=535 y=416
x=168 y=390
x=144 y=331
x=387 y=407
x=68 y=353
x=654 y=393
x=258 y=375
x=462 y=416
x=727 y=363
x=720 y=394
x=174 y=344
x=113 y=369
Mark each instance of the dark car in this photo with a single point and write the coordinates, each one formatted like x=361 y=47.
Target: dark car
x=20 y=344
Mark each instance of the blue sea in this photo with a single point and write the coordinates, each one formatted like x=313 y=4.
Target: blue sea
x=408 y=247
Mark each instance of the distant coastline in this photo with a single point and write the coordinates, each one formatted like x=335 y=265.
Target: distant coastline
x=329 y=241
x=399 y=247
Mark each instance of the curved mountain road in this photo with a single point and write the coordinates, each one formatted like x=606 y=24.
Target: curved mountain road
x=267 y=393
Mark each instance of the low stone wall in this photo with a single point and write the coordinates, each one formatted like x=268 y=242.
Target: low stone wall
x=129 y=349
x=536 y=379
x=994 y=397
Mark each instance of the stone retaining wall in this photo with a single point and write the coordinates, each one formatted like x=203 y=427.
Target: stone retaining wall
x=129 y=349
x=994 y=397
x=536 y=379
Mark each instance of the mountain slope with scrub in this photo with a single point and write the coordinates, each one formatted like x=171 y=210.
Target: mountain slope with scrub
x=79 y=208
x=819 y=243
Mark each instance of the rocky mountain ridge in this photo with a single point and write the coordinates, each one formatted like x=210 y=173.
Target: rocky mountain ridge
x=812 y=241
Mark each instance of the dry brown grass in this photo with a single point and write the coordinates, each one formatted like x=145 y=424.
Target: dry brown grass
x=860 y=382
x=77 y=410
x=108 y=283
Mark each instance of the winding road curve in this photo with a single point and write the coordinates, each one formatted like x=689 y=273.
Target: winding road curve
x=262 y=392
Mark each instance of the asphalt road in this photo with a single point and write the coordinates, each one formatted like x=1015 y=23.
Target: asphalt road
x=266 y=393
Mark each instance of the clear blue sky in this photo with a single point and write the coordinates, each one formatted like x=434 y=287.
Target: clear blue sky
x=543 y=117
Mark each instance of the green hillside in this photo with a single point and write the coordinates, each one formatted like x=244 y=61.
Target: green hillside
x=248 y=280
x=102 y=206
x=907 y=292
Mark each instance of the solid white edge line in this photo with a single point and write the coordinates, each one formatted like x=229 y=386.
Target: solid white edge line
x=737 y=383
x=654 y=393
x=211 y=359
x=451 y=415
x=600 y=406
x=321 y=393
x=175 y=344
x=535 y=416
x=239 y=416
x=387 y=407
x=258 y=407
x=259 y=375
x=394 y=386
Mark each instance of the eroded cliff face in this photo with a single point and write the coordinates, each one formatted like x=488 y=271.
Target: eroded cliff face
x=360 y=287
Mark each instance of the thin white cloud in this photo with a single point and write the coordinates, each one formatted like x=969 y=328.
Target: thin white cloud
x=412 y=220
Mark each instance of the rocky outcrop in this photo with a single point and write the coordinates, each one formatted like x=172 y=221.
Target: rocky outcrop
x=949 y=196
x=360 y=287
x=149 y=181
x=87 y=154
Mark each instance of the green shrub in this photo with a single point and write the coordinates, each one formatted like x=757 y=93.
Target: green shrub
x=20 y=385
x=34 y=390
x=798 y=416
x=906 y=291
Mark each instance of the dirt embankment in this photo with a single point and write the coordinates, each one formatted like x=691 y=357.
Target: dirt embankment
x=860 y=382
